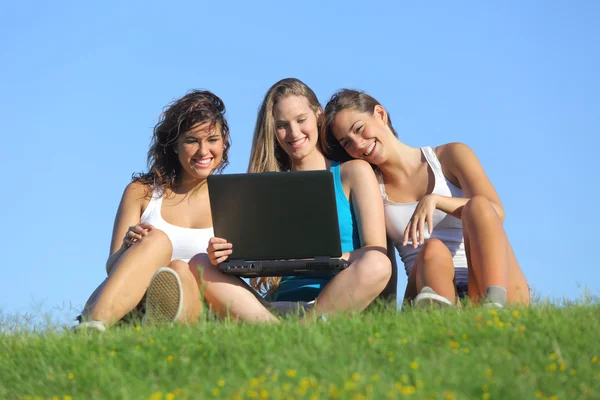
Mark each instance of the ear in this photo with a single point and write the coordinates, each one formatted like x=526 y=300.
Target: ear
x=319 y=112
x=380 y=113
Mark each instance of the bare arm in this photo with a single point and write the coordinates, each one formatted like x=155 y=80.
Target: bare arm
x=128 y=214
x=464 y=166
x=368 y=207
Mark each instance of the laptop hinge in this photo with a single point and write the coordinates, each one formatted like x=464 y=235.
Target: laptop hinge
x=236 y=261
x=322 y=259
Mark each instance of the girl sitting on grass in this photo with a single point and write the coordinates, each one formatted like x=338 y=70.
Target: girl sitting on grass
x=441 y=210
x=286 y=139
x=164 y=218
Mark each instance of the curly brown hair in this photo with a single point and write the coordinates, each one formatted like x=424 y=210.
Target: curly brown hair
x=197 y=106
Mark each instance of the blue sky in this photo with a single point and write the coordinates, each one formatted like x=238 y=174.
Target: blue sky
x=82 y=85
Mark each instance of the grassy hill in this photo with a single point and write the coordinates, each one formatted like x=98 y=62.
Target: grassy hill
x=543 y=352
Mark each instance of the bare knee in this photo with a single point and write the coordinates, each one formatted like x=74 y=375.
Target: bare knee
x=479 y=207
x=434 y=250
x=180 y=267
x=156 y=238
x=202 y=268
x=374 y=270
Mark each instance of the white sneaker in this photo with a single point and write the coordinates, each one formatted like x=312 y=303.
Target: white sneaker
x=164 y=298
x=428 y=298
x=90 y=325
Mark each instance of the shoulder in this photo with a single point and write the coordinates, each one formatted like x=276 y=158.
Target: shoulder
x=356 y=167
x=356 y=171
x=137 y=191
x=451 y=154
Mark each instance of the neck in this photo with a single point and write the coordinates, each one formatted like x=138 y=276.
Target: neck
x=401 y=158
x=190 y=186
x=314 y=161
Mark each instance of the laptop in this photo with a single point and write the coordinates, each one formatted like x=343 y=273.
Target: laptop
x=280 y=223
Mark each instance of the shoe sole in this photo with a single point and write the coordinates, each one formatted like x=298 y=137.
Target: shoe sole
x=164 y=298
x=431 y=300
x=90 y=326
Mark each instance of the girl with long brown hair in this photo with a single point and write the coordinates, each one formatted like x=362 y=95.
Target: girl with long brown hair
x=441 y=210
x=164 y=218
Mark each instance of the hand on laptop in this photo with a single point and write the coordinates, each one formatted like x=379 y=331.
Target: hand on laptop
x=218 y=250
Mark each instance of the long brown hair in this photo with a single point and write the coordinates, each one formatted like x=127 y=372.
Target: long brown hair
x=341 y=100
x=266 y=154
x=197 y=106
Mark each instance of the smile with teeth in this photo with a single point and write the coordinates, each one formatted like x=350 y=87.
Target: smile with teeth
x=370 y=149
x=203 y=162
x=298 y=142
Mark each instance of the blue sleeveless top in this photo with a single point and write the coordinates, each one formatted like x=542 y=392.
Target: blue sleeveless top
x=306 y=288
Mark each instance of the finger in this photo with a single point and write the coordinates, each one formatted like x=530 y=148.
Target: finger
x=215 y=240
x=133 y=235
x=146 y=225
x=221 y=259
x=421 y=230
x=413 y=234
x=222 y=246
x=137 y=229
x=406 y=234
x=219 y=254
x=430 y=223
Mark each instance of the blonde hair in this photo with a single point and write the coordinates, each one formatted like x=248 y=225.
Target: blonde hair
x=266 y=154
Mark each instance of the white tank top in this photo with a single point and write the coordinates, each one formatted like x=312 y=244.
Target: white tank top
x=187 y=242
x=446 y=228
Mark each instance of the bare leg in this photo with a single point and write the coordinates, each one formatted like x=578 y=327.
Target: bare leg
x=490 y=255
x=357 y=286
x=128 y=280
x=228 y=295
x=411 y=287
x=435 y=268
x=192 y=305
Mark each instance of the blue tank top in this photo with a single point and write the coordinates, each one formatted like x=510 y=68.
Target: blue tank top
x=306 y=288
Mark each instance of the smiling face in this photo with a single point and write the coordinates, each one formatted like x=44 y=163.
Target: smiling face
x=296 y=126
x=363 y=135
x=200 y=150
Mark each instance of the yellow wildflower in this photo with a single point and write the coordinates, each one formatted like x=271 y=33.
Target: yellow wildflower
x=414 y=365
x=408 y=390
x=291 y=373
x=156 y=396
x=562 y=366
x=70 y=376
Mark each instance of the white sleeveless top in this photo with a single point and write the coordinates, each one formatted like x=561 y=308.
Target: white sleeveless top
x=446 y=228
x=187 y=242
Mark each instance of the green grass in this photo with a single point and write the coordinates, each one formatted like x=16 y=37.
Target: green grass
x=541 y=352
